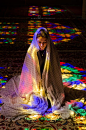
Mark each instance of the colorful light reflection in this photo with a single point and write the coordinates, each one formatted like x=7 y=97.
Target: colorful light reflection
x=74 y=76
x=58 y=33
x=47 y=11
x=8 y=32
x=33 y=11
x=3 y=79
x=7 y=40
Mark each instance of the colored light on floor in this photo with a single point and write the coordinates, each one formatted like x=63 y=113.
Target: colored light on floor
x=58 y=32
x=32 y=27
x=73 y=75
x=47 y=11
x=3 y=80
x=7 y=30
x=7 y=40
x=33 y=11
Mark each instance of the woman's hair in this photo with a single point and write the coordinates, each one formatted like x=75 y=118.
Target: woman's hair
x=42 y=33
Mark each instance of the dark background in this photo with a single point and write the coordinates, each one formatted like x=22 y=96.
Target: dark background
x=40 y=2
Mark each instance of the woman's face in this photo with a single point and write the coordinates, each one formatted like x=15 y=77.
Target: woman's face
x=42 y=42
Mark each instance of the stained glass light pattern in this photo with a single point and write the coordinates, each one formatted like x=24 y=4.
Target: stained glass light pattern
x=74 y=76
x=32 y=27
x=8 y=32
x=33 y=11
x=58 y=32
x=47 y=11
x=3 y=79
x=7 y=40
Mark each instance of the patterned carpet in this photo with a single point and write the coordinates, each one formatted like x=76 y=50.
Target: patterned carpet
x=40 y=124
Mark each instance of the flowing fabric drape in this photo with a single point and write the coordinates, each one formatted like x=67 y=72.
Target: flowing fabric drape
x=23 y=89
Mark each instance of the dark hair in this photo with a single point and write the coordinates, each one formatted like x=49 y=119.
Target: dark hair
x=42 y=33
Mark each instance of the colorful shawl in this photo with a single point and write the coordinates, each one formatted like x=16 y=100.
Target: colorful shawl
x=51 y=82
x=28 y=92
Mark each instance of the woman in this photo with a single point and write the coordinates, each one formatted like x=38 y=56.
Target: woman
x=39 y=87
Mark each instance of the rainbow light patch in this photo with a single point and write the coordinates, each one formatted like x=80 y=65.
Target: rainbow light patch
x=8 y=32
x=33 y=11
x=74 y=76
x=58 y=32
x=44 y=11
x=47 y=11
x=3 y=79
